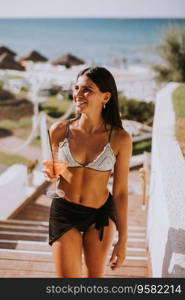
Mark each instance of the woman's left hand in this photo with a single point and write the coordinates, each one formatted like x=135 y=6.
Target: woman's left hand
x=118 y=255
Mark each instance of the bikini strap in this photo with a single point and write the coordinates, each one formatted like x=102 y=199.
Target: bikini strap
x=67 y=129
x=110 y=134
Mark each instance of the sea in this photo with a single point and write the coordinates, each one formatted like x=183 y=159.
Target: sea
x=113 y=42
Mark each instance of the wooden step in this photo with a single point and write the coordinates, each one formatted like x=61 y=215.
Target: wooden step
x=23 y=236
x=24 y=245
x=25 y=222
x=18 y=228
x=44 y=224
x=132 y=242
x=38 y=228
x=25 y=255
x=43 y=247
x=45 y=263
x=47 y=255
x=129 y=272
x=34 y=256
x=26 y=265
x=11 y=273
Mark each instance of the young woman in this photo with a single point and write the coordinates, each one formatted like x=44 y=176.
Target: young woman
x=95 y=146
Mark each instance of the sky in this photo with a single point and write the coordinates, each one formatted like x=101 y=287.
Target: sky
x=93 y=8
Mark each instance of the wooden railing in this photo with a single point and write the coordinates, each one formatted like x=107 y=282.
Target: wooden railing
x=144 y=173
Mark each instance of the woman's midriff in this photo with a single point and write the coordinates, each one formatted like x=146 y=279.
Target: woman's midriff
x=87 y=187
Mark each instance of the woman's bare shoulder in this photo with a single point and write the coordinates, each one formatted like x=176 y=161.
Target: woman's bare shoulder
x=122 y=138
x=57 y=131
x=58 y=126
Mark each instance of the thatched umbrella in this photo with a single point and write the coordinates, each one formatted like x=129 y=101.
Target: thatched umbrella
x=14 y=109
x=4 y=49
x=34 y=56
x=7 y=62
x=68 y=60
x=6 y=95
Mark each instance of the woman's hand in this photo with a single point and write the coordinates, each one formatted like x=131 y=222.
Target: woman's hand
x=54 y=169
x=48 y=170
x=118 y=255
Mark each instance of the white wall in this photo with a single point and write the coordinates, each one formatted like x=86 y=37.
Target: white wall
x=166 y=214
x=13 y=189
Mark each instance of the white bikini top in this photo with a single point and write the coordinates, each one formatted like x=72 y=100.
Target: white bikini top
x=103 y=162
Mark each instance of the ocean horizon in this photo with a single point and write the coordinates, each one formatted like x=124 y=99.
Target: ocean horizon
x=109 y=41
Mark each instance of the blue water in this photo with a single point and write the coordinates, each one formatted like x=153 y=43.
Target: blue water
x=99 y=41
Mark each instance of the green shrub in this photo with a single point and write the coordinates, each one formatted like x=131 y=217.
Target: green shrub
x=54 y=107
x=54 y=90
x=179 y=101
x=172 y=52
x=10 y=159
x=140 y=147
x=132 y=109
x=24 y=122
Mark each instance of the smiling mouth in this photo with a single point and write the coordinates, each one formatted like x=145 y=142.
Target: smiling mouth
x=80 y=103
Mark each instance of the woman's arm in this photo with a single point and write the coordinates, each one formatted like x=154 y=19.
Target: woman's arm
x=120 y=195
x=56 y=131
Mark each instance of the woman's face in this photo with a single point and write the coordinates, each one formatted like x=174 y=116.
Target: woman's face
x=88 y=97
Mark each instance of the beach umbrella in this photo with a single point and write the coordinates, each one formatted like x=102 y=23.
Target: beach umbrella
x=14 y=109
x=68 y=60
x=34 y=56
x=7 y=62
x=6 y=95
x=4 y=49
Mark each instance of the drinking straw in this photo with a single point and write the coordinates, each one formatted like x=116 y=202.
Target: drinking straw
x=51 y=152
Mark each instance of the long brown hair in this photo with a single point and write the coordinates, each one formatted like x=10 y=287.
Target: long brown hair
x=106 y=83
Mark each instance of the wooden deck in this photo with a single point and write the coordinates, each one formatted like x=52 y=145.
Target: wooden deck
x=24 y=249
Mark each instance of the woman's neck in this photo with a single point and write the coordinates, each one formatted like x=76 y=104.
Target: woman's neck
x=90 y=125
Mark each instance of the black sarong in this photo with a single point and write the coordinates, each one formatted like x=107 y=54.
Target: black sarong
x=65 y=215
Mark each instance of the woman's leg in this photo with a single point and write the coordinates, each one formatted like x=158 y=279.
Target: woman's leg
x=95 y=251
x=67 y=253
